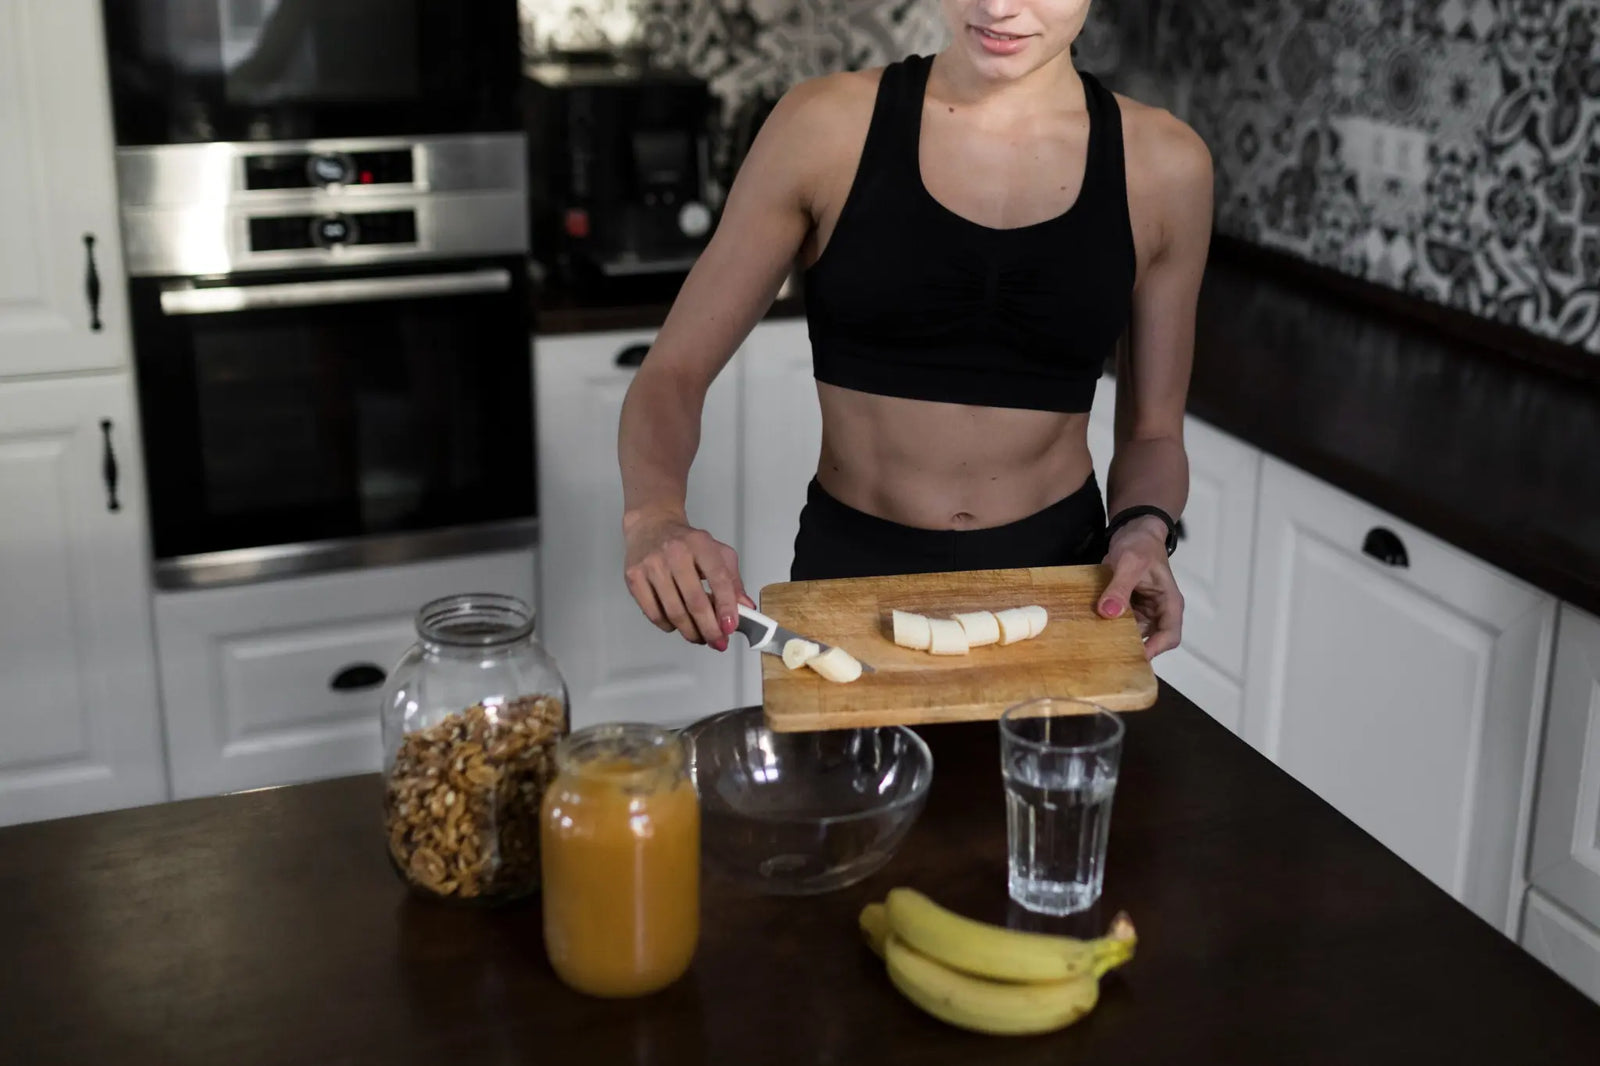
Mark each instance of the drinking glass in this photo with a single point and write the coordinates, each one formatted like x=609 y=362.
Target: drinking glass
x=1059 y=759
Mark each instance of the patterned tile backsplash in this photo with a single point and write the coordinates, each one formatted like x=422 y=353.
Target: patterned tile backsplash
x=1448 y=148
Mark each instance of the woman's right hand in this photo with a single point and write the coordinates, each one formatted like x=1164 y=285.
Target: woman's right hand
x=667 y=560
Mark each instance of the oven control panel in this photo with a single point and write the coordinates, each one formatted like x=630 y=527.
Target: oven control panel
x=278 y=233
x=320 y=170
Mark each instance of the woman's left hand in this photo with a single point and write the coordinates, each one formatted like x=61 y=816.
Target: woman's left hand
x=1141 y=578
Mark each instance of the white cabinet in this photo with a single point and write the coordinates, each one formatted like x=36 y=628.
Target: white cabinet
x=57 y=193
x=79 y=724
x=617 y=665
x=1213 y=560
x=1565 y=862
x=248 y=672
x=781 y=438
x=1404 y=693
x=1562 y=942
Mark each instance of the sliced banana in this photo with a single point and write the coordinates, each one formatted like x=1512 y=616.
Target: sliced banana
x=981 y=627
x=1038 y=618
x=948 y=637
x=797 y=652
x=912 y=631
x=1014 y=625
x=835 y=664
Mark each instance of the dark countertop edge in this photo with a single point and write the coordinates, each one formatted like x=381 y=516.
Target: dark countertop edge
x=1538 y=567
x=1481 y=336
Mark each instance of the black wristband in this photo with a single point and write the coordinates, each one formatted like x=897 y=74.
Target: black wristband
x=1128 y=514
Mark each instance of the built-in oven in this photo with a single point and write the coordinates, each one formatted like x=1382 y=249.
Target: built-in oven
x=289 y=412
x=193 y=71
x=331 y=340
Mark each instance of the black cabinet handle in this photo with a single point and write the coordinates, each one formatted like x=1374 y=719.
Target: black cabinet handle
x=1388 y=549
x=1182 y=530
x=357 y=676
x=108 y=465
x=632 y=357
x=91 y=285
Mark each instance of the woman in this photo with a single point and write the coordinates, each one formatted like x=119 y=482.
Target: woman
x=978 y=230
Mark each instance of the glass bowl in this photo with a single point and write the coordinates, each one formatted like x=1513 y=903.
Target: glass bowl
x=800 y=813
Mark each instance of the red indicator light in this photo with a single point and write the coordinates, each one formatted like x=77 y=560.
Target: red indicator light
x=366 y=177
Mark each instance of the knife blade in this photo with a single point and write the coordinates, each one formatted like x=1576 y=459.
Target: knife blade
x=766 y=635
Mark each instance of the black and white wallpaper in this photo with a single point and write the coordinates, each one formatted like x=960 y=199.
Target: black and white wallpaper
x=1448 y=148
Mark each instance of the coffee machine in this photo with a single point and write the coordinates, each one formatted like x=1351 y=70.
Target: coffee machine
x=620 y=188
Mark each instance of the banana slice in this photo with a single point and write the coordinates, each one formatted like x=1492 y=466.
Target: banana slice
x=1014 y=625
x=797 y=652
x=912 y=631
x=948 y=637
x=981 y=627
x=835 y=664
x=1038 y=618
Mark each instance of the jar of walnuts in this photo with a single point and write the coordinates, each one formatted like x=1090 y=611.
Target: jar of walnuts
x=471 y=716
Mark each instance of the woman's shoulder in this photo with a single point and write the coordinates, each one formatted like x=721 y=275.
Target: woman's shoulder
x=1169 y=180
x=829 y=99
x=1161 y=146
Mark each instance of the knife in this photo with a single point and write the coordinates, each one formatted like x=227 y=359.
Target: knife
x=766 y=635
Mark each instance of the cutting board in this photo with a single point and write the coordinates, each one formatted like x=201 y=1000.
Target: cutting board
x=1079 y=654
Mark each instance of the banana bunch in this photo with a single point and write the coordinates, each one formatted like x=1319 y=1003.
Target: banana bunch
x=985 y=977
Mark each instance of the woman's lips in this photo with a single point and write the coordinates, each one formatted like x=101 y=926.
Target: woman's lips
x=997 y=43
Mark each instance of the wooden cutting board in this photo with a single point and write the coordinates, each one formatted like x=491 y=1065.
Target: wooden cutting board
x=1079 y=654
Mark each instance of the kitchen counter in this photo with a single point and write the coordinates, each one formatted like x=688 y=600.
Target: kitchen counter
x=268 y=927
x=1499 y=458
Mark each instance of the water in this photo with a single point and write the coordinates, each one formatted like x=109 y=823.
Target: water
x=1056 y=825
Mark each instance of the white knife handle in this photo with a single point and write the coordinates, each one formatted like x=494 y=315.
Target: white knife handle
x=761 y=631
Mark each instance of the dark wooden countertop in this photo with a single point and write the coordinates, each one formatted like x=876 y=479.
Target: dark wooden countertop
x=1500 y=458
x=268 y=927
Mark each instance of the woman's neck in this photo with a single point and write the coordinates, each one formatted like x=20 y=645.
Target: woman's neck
x=954 y=79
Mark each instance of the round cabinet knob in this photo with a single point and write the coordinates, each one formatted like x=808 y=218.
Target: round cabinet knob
x=332 y=230
x=330 y=168
x=694 y=219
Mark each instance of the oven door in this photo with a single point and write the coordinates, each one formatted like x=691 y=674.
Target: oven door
x=294 y=409
x=250 y=70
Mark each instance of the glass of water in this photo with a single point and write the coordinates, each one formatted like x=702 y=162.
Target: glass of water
x=1059 y=758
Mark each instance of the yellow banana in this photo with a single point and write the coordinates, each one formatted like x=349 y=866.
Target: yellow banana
x=988 y=1006
x=875 y=926
x=985 y=950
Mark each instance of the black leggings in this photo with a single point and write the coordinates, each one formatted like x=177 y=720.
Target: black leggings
x=839 y=541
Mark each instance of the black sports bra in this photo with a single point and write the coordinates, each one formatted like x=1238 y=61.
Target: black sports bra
x=911 y=299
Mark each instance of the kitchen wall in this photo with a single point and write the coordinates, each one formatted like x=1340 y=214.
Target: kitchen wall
x=1448 y=148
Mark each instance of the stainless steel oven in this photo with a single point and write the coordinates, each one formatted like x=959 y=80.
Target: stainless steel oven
x=331 y=340
x=195 y=71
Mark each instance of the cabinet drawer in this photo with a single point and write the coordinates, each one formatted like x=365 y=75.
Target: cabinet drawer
x=1562 y=942
x=280 y=682
x=1405 y=690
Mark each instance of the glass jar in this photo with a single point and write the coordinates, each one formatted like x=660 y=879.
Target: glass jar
x=621 y=843
x=471 y=717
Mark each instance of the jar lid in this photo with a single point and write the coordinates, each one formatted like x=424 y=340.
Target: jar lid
x=624 y=752
x=475 y=620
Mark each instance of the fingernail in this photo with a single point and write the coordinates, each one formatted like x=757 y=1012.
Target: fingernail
x=729 y=625
x=721 y=645
x=1112 y=608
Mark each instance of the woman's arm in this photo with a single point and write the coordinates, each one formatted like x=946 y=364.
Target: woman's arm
x=734 y=281
x=1150 y=465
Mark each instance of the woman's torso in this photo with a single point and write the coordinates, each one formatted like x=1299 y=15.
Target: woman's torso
x=965 y=284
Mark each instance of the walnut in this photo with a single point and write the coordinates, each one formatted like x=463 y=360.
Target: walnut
x=462 y=798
